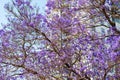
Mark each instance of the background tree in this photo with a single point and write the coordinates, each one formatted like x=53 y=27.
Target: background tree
x=61 y=44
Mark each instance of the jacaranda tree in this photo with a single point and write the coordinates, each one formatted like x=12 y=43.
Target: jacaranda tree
x=63 y=44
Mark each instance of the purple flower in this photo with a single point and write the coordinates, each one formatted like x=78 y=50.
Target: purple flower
x=19 y=2
x=27 y=3
x=82 y=2
x=50 y=4
x=48 y=11
x=83 y=68
x=1 y=32
x=6 y=6
x=31 y=24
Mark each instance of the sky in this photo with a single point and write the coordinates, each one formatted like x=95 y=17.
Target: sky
x=3 y=13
